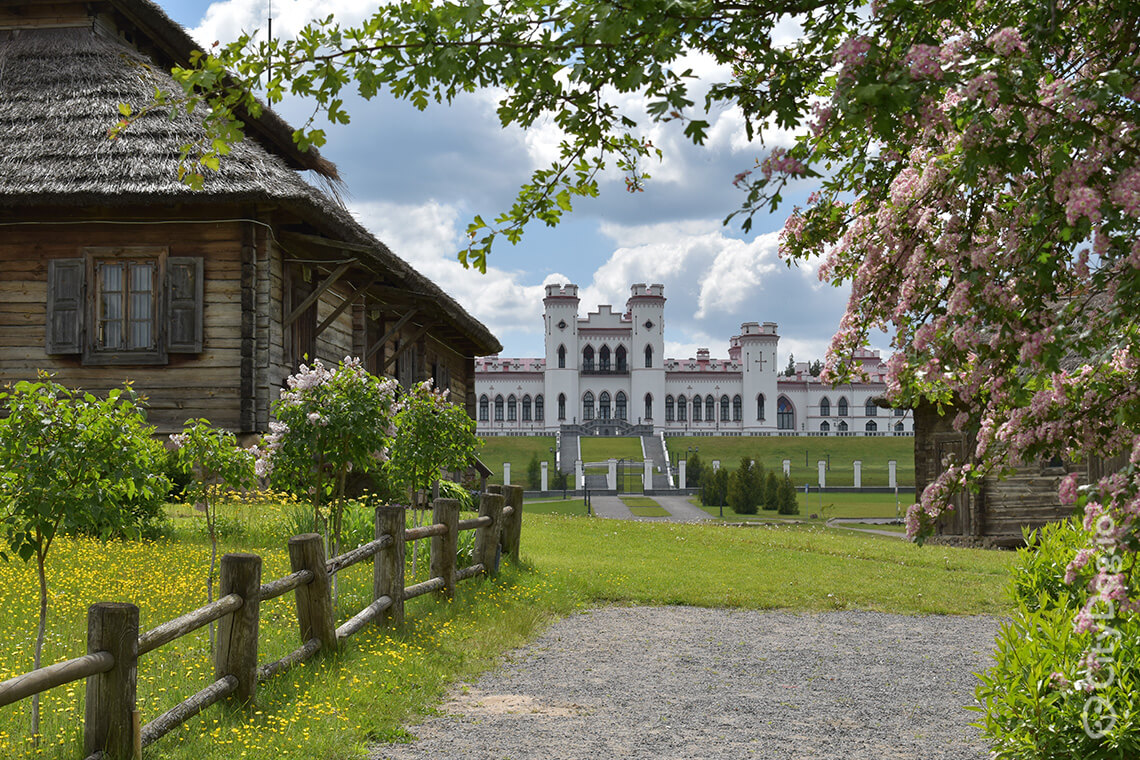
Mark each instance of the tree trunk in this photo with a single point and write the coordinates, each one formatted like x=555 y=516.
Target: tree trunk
x=211 y=527
x=40 y=632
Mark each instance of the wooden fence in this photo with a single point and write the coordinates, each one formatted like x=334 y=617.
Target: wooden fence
x=112 y=727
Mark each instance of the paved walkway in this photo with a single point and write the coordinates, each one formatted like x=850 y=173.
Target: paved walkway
x=678 y=507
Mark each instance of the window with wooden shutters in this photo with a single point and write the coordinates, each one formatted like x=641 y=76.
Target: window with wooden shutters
x=130 y=305
x=184 y=305
x=65 y=306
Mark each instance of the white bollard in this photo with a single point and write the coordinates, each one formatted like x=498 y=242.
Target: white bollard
x=858 y=473
x=892 y=481
x=647 y=479
x=579 y=475
x=506 y=473
x=823 y=473
x=681 y=473
x=545 y=476
x=611 y=476
x=787 y=468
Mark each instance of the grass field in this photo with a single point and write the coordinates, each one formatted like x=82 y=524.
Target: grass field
x=599 y=449
x=833 y=505
x=805 y=452
x=567 y=507
x=517 y=450
x=335 y=707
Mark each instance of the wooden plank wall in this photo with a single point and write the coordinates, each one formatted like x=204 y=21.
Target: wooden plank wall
x=206 y=384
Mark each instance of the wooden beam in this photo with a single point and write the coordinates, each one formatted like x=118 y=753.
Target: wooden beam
x=320 y=291
x=416 y=336
x=344 y=305
x=388 y=335
x=338 y=245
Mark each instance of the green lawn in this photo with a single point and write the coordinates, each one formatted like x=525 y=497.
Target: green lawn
x=805 y=452
x=833 y=505
x=567 y=507
x=517 y=450
x=601 y=449
x=383 y=680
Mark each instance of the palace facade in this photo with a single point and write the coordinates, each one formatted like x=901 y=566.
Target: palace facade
x=607 y=374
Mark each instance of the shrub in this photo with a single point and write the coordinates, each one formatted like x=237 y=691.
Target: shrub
x=714 y=488
x=745 y=488
x=1054 y=692
x=694 y=470
x=787 y=498
x=534 y=473
x=771 y=491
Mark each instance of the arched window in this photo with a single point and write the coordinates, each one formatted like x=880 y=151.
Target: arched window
x=870 y=408
x=620 y=407
x=760 y=406
x=588 y=359
x=842 y=407
x=900 y=412
x=843 y=426
x=668 y=408
x=620 y=363
x=696 y=408
x=526 y=408
x=484 y=408
x=824 y=407
x=562 y=406
x=588 y=406
x=539 y=412
x=710 y=408
x=682 y=409
x=724 y=408
x=562 y=357
x=512 y=409
x=498 y=408
x=785 y=414
x=900 y=428
x=871 y=427
x=648 y=406
x=824 y=426
x=737 y=409
x=604 y=359
x=604 y=405
x=648 y=355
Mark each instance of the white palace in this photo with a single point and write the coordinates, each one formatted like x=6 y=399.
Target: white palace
x=606 y=374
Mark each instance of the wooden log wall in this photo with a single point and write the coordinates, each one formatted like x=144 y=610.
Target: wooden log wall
x=208 y=384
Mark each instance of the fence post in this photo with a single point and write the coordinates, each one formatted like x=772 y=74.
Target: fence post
x=444 y=548
x=494 y=488
x=235 y=651
x=487 y=538
x=109 y=723
x=388 y=565
x=512 y=526
x=314 y=599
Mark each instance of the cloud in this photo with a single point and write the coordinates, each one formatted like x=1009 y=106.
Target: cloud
x=427 y=237
x=224 y=21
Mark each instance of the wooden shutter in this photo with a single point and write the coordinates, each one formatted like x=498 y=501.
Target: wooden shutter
x=184 y=305
x=64 y=333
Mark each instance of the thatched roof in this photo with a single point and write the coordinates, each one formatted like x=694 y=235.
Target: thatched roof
x=60 y=90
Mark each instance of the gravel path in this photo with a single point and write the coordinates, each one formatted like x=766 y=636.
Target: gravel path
x=682 y=683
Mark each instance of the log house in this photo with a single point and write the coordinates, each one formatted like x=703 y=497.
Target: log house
x=111 y=270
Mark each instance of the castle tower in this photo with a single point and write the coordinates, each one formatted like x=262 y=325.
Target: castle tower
x=757 y=356
x=560 y=315
x=646 y=306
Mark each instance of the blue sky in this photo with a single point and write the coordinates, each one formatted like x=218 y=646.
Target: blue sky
x=415 y=179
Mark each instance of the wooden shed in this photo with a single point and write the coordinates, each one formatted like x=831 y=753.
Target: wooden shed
x=996 y=514
x=111 y=270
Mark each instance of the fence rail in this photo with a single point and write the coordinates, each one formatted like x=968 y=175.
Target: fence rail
x=112 y=727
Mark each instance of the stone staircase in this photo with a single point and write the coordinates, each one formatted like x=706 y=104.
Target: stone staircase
x=568 y=453
x=655 y=451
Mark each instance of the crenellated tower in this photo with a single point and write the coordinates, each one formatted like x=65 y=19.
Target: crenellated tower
x=646 y=307
x=560 y=315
